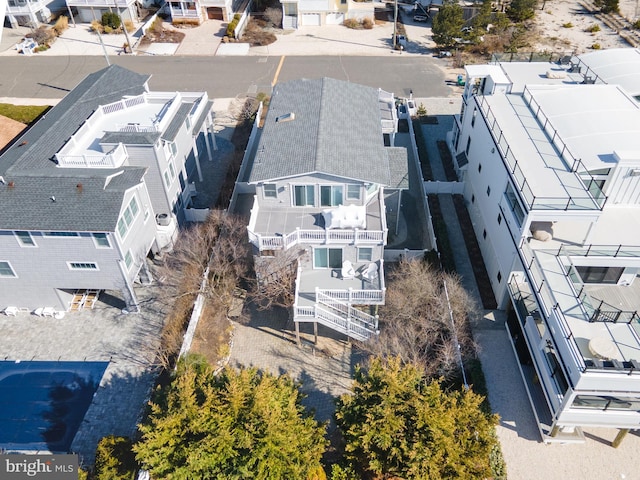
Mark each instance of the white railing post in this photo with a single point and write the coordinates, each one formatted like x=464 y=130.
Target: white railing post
x=355 y=236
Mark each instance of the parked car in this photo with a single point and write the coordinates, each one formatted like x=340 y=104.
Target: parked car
x=419 y=17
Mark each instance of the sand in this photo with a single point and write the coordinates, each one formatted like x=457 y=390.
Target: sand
x=557 y=35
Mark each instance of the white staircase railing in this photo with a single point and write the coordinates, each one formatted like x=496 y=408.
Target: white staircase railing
x=343 y=317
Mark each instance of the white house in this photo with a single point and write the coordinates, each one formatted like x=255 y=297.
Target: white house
x=89 y=10
x=550 y=157
x=317 y=173
x=101 y=180
x=323 y=12
x=197 y=11
x=29 y=12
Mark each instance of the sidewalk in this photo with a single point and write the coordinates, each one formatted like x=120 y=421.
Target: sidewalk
x=206 y=40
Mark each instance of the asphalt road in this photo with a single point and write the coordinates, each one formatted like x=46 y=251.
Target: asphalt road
x=223 y=77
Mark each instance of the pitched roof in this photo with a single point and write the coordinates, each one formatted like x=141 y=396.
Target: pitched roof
x=54 y=129
x=335 y=129
x=66 y=203
x=31 y=177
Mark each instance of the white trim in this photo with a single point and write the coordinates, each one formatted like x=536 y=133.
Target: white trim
x=21 y=243
x=10 y=268
x=123 y=218
x=359 y=249
x=95 y=242
x=128 y=254
x=264 y=190
x=83 y=269
x=64 y=234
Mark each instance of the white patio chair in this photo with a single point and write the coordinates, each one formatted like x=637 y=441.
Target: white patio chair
x=347 y=270
x=48 y=312
x=371 y=273
x=11 y=311
x=38 y=311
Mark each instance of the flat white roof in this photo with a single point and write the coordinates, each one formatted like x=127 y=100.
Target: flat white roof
x=528 y=73
x=494 y=71
x=547 y=174
x=593 y=120
x=619 y=66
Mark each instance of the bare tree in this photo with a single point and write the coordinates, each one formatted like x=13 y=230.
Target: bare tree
x=273 y=16
x=220 y=243
x=416 y=322
x=276 y=276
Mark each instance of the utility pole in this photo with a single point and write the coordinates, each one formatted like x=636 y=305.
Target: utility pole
x=395 y=23
x=104 y=50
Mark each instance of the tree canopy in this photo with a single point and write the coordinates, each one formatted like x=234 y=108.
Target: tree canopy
x=235 y=425
x=447 y=24
x=521 y=10
x=395 y=423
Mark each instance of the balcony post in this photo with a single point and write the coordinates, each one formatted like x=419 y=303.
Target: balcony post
x=619 y=437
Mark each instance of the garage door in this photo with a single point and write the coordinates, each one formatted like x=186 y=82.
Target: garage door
x=311 y=19
x=215 y=13
x=335 y=18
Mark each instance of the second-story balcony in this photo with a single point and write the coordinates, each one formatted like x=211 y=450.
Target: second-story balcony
x=24 y=7
x=100 y=3
x=276 y=227
x=581 y=318
x=113 y=159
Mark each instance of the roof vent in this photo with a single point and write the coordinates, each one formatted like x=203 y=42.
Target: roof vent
x=287 y=117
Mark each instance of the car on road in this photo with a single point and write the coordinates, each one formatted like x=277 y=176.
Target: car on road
x=419 y=17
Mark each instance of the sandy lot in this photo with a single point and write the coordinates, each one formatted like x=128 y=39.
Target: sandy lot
x=556 y=37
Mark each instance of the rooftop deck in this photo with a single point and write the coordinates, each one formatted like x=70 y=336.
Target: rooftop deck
x=149 y=112
x=541 y=171
x=280 y=220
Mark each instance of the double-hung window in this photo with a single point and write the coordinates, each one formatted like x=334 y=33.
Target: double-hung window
x=304 y=195
x=6 y=270
x=25 y=239
x=330 y=195
x=269 y=190
x=101 y=240
x=365 y=254
x=353 y=192
x=127 y=217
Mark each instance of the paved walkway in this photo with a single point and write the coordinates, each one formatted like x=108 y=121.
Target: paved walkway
x=526 y=456
x=128 y=342
x=324 y=370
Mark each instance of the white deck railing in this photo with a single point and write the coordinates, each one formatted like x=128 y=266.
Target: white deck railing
x=113 y=159
x=100 y=3
x=317 y=237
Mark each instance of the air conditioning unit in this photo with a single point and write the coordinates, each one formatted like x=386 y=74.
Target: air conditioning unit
x=163 y=219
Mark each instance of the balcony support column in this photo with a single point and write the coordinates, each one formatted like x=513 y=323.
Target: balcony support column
x=619 y=437
x=196 y=154
x=315 y=333
x=297 y=333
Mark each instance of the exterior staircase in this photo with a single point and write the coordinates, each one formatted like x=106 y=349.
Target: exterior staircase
x=344 y=318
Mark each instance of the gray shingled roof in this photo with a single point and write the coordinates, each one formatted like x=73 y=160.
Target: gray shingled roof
x=336 y=130
x=81 y=203
x=130 y=138
x=32 y=177
x=177 y=121
x=203 y=116
x=398 y=167
x=53 y=130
